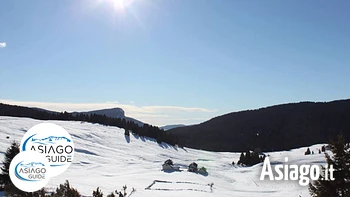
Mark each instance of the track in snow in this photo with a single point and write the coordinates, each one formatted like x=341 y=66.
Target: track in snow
x=180 y=186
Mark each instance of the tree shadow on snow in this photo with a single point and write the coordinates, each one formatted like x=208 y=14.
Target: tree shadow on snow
x=171 y=171
x=135 y=136
x=142 y=138
x=183 y=148
x=203 y=174
x=127 y=138
x=163 y=145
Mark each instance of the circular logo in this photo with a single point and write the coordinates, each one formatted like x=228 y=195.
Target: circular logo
x=29 y=171
x=52 y=141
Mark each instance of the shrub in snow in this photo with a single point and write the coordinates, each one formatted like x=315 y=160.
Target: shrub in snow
x=169 y=166
x=193 y=167
x=308 y=152
x=169 y=162
x=203 y=171
x=65 y=190
x=97 y=193
x=123 y=192
x=111 y=195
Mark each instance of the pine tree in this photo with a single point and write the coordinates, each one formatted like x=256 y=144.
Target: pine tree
x=9 y=155
x=255 y=158
x=242 y=159
x=308 y=152
x=248 y=158
x=97 y=193
x=5 y=181
x=340 y=186
x=126 y=132
x=159 y=138
x=65 y=190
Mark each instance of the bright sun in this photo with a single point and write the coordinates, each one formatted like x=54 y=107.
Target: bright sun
x=121 y=7
x=119 y=4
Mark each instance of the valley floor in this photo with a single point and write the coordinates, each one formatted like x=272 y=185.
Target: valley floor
x=105 y=158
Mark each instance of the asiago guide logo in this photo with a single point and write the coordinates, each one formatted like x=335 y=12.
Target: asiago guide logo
x=46 y=150
x=52 y=141
x=29 y=171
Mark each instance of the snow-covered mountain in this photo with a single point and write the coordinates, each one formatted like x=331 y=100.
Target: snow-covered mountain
x=168 y=127
x=113 y=113
x=105 y=158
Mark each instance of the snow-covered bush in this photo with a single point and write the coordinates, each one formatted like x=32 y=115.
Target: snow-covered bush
x=193 y=167
x=203 y=170
x=169 y=162
x=97 y=193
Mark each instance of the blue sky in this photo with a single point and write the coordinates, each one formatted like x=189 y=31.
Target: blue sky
x=173 y=61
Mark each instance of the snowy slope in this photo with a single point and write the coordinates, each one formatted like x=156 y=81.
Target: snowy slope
x=105 y=158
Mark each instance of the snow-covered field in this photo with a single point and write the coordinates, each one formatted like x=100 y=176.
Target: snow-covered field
x=105 y=158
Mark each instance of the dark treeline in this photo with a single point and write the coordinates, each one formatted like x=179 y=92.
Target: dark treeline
x=144 y=131
x=280 y=127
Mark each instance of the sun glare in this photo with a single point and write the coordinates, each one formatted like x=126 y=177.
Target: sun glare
x=121 y=8
x=119 y=4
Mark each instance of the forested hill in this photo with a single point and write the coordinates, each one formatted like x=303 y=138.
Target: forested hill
x=279 y=127
x=127 y=124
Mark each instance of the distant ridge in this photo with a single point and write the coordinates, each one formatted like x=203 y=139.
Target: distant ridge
x=168 y=127
x=113 y=113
